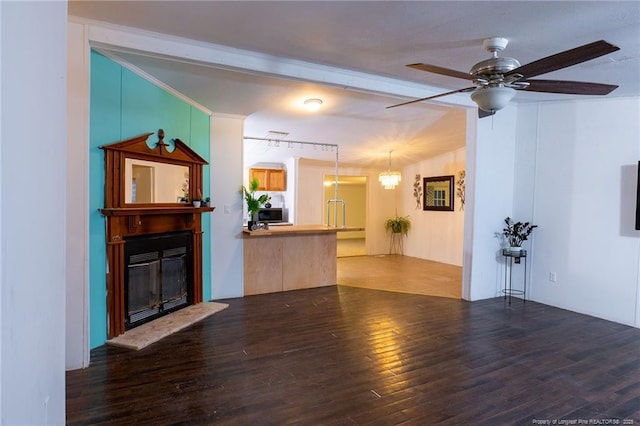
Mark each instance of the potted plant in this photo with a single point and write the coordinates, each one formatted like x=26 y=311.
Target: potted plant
x=197 y=200
x=206 y=202
x=253 y=203
x=516 y=233
x=399 y=227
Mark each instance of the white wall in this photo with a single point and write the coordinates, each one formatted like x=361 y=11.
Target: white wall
x=584 y=183
x=434 y=235
x=288 y=197
x=310 y=209
x=226 y=220
x=571 y=168
x=490 y=177
x=382 y=204
x=32 y=280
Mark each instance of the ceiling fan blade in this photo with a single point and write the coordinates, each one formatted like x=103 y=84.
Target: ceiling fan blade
x=565 y=59
x=440 y=70
x=569 y=87
x=466 y=89
x=482 y=113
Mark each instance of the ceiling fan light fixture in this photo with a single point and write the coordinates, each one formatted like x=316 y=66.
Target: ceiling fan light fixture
x=389 y=179
x=313 y=104
x=492 y=98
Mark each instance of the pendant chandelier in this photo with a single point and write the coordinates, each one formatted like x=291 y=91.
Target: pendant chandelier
x=390 y=179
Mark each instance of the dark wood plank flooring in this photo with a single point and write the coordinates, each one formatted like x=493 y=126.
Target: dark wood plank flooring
x=351 y=356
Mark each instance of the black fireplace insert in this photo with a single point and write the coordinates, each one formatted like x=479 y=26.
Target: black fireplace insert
x=158 y=277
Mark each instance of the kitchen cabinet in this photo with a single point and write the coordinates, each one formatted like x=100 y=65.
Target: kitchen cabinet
x=270 y=179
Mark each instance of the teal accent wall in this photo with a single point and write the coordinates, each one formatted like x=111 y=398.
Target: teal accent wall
x=124 y=105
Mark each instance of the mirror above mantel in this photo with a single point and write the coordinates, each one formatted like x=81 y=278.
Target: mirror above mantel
x=155 y=182
x=144 y=175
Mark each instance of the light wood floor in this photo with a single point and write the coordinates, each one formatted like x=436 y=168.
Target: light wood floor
x=401 y=274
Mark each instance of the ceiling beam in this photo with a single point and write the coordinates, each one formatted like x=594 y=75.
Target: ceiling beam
x=131 y=40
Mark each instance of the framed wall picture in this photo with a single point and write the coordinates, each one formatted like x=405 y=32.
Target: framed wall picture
x=438 y=193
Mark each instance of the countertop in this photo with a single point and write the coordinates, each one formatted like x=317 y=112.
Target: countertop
x=297 y=230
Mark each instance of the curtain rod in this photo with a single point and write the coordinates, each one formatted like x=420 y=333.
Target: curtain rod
x=291 y=141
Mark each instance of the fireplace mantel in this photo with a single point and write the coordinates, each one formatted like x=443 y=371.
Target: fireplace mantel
x=152 y=220
x=143 y=211
x=125 y=219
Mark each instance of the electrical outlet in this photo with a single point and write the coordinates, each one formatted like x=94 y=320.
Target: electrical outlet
x=553 y=277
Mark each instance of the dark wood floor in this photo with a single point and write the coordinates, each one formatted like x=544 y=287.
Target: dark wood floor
x=343 y=356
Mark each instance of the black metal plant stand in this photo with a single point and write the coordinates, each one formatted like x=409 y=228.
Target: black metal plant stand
x=511 y=257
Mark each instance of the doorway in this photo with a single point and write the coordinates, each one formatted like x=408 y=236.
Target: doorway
x=142 y=184
x=353 y=190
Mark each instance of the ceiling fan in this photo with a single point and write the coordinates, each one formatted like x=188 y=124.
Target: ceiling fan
x=496 y=79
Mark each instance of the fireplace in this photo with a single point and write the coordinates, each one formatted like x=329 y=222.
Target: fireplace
x=158 y=276
x=154 y=248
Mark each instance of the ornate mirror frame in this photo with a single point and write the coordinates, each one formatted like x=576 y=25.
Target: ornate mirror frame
x=136 y=148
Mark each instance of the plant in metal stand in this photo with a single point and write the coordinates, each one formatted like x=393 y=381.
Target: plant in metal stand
x=399 y=227
x=253 y=203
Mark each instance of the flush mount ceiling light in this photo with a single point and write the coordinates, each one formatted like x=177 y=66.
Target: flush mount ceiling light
x=390 y=179
x=313 y=104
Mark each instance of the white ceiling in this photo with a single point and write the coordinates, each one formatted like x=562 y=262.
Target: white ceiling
x=377 y=38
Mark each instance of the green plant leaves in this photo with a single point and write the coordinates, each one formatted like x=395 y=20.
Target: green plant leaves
x=253 y=203
x=517 y=232
x=398 y=225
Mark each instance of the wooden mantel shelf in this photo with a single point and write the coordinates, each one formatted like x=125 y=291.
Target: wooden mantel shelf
x=140 y=211
x=134 y=221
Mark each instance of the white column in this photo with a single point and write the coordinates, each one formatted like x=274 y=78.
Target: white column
x=77 y=317
x=227 y=133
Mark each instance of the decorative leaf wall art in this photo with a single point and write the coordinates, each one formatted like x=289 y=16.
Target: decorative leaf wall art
x=460 y=188
x=417 y=191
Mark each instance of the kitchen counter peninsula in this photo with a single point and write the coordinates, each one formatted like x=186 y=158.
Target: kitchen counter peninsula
x=293 y=257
